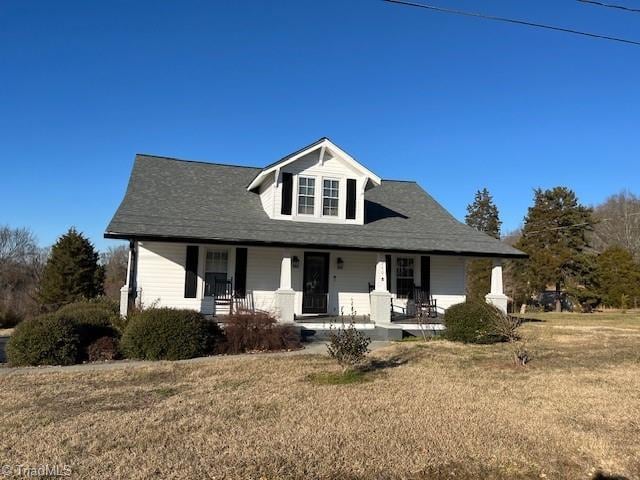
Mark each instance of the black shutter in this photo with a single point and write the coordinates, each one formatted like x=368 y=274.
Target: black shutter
x=191 y=272
x=425 y=274
x=387 y=259
x=287 y=193
x=351 y=198
x=241 y=272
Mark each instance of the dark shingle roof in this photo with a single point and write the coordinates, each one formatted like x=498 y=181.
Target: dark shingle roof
x=197 y=201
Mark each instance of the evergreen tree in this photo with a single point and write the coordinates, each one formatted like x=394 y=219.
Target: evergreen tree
x=482 y=215
x=72 y=271
x=555 y=237
x=619 y=277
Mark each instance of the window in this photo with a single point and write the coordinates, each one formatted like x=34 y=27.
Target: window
x=306 y=194
x=215 y=268
x=404 y=276
x=330 y=198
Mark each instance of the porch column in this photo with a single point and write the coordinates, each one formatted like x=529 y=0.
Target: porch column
x=285 y=296
x=380 y=297
x=497 y=297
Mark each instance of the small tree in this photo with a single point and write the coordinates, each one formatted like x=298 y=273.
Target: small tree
x=482 y=215
x=72 y=272
x=348 y=346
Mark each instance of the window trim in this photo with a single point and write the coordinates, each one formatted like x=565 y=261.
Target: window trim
x=298 y=195
x=398 y=277
x=337 y=198
x=205 y=271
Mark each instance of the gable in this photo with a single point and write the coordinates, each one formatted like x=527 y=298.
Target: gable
x=319 y=151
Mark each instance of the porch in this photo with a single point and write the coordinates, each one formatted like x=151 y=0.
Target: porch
x=305 y=286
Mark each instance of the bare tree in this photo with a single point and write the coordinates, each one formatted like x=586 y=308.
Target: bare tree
x=115 y=261
x=618 y=223
x=17 y=245
x=21 y=262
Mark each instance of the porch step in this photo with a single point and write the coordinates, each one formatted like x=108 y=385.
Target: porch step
x=377 y=333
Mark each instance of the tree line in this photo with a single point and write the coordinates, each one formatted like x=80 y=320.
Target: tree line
x=579 y=255
x=34 y=279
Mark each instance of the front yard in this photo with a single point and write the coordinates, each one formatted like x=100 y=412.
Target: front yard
x=428 y=409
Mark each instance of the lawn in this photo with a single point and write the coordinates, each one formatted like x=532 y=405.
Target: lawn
x=426 y=410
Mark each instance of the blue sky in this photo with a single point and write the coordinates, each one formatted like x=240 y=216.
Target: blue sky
x=455 y=103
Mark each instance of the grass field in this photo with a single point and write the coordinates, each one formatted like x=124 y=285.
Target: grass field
x=427 y=410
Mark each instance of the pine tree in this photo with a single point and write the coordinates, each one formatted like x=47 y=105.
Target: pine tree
x=72 y=271
x=619 y=277
x=555 y=237
x=482 y=215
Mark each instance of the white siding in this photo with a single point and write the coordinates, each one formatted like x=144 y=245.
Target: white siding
x=263 y=276
x=267 y=190
x=352 y=282
x=309 y=165
x=161 y=275
x=448 y=280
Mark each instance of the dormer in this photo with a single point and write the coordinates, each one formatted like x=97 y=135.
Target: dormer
x=319 y=183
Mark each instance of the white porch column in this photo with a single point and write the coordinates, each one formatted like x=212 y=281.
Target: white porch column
x=285 y=296
x=124 y=300
x=497 y=297
x=126 y=288
x=380 y=297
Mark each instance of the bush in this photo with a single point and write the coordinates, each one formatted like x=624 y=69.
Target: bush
x=104 y=348
x=248 y=331
x=473 y=322
x=92 y=321
x=44 y=340
x=9 y=318
x=348 y=346
x=168 y=334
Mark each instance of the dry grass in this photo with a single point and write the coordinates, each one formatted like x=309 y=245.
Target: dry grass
x=428 y=410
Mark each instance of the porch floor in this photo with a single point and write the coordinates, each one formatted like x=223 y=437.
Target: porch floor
x=404 y=319
x=335 y=319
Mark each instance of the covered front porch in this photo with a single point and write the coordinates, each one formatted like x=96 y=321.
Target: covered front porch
x=306 y=286
x=324 y=288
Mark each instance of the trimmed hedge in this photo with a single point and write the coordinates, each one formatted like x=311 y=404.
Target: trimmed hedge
x=44 y=340
x=472 y=322
x=168 y=334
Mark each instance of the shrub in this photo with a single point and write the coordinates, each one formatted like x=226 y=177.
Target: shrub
x=505 y=326
x=259 y=331
x=92 y=321
x=472 y=322
x=104 y=348
x=44 y=340
x=348 y=346
x=168 y=334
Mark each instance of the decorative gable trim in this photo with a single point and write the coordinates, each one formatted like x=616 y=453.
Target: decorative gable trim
x=324 y=145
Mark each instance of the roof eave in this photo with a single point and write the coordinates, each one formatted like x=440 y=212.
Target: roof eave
x=179 y=239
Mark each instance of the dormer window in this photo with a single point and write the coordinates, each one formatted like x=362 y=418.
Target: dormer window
x=318 y=183
x=330 y=190
x=306 y=195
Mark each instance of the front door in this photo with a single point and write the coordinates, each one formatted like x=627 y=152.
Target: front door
x=315 y=282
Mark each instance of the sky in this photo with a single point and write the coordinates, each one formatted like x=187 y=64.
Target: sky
x=455 y=103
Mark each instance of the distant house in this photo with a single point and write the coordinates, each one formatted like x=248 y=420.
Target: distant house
x=314 y=234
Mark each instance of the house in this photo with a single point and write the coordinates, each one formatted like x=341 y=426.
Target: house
x=312 y=235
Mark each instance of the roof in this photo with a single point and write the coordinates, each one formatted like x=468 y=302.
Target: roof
x=323 y=144
x=181 y=200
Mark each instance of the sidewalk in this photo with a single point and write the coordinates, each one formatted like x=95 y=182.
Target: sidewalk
x=311 y=348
